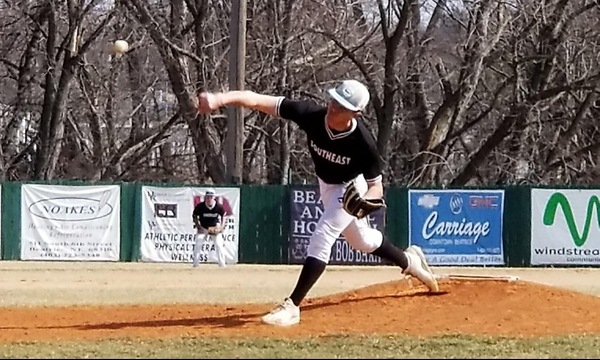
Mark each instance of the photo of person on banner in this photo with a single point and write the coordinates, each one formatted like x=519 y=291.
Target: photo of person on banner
x=208 y=217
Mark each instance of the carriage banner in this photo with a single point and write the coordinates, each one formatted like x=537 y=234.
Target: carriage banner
x=457 y=227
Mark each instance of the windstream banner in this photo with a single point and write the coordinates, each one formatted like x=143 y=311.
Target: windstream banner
x=306 y=210
x=168 y=233
x=565 y=227
x=61 y=222
x=457 y=227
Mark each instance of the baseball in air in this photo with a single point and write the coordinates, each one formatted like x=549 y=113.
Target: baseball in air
x=120 y=47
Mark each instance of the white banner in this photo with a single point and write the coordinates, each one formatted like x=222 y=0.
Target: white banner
x=565 y=227
x=0 y=222
x=167 y=232
x=61 y=222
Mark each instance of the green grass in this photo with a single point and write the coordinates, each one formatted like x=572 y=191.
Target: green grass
x=329 y=347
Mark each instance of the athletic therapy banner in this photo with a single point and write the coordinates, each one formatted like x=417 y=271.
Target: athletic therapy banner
x=457 y=227
x=167 y=233
x=565 y=227
x=61 y=222
x=306 y=209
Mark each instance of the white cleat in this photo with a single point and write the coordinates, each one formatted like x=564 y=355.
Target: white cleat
x=285 y=314
x=418 y=267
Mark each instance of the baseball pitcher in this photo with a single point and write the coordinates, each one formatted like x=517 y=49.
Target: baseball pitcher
x=349 y=169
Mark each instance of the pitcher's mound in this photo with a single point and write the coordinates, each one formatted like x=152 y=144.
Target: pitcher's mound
x=489 y=307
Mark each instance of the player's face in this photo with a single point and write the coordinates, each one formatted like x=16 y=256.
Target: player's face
x=334 y=108
x=339 y=114
x=209 y=199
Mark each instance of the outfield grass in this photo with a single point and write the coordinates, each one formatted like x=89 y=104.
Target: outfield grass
x=330 y=347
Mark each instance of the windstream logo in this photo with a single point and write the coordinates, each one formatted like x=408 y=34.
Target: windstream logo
x=559 y=200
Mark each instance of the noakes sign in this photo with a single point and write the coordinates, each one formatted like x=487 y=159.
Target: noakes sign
x=70 y=209
x=70 y=222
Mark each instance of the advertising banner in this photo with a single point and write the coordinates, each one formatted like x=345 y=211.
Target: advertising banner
x=167 y=233
x=565 y=227
x=306 y=210
x=61 y=222
x=0 y=222
x=457 y=227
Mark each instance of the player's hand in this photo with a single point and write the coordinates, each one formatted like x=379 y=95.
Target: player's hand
x=208 y=102
x=214 y=230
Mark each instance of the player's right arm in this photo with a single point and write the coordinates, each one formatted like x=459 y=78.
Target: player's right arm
x=267 y=104
x=196 y=217
x=277 y=106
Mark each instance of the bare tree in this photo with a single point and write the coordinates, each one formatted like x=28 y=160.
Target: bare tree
x=175 y=53
x=64 y=52
x=463 y=93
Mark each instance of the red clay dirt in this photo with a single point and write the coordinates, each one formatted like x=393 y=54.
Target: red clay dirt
x=473 y=307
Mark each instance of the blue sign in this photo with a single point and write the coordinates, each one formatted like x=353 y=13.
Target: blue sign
x=457 y=227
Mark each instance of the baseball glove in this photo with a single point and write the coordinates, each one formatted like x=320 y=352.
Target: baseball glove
x=358 y=206
x=214 y=230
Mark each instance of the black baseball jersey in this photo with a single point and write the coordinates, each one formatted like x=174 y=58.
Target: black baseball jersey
x=338 y=156
x=209 y=217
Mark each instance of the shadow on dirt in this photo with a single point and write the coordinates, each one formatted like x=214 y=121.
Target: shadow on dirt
x=318 y=304
x=235 y=318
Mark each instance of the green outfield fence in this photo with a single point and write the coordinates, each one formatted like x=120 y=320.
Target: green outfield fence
x=264 y=220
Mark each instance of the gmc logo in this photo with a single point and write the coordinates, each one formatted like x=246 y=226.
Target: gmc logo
x=483 y=202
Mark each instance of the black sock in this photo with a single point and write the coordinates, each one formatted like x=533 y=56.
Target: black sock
x=311 y=271
x=390 y=252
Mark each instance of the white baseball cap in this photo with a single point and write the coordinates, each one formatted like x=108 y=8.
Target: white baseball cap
x=210 y=191
x=351 y=94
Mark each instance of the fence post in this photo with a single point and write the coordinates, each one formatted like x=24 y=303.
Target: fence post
x=264 y=224
x=11 y=221
x=396 y=222
x=517 y=226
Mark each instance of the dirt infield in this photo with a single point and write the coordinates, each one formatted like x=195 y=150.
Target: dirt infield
x=111 y=301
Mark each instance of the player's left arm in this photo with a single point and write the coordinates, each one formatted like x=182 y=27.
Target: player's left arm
x=375 y=189
x=221 y=219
